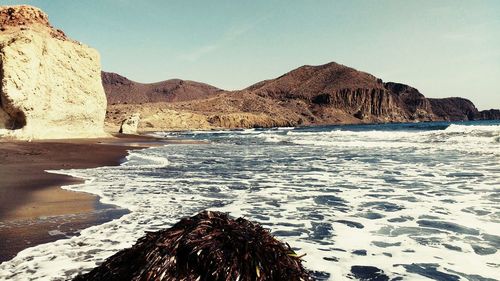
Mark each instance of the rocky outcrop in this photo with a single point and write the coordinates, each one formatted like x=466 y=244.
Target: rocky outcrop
x=129 y=125
x=156 y=116
x=50 y=85
x=248 y=120
x=460 y=109
x=121 y=90
x=454 y=109
x=412 y=101
x=26 y=17
x=490 y=114
x=364 y=104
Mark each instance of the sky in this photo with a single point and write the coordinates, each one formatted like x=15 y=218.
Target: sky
x=443 y=48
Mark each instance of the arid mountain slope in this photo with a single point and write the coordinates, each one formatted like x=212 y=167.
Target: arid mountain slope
x=309 y=95
x=122 y=90
x=309 y=79
x=332 y=90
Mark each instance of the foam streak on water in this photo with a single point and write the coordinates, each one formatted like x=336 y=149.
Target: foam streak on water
x=417 y=203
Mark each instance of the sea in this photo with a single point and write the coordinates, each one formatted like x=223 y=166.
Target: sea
x=413 y=201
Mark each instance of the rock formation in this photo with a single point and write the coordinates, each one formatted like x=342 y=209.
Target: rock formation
x=490 y=114
x=413 y=102
x=309 y=95
x=460 y=109
x=50 y=85
x=454 y=109
x=210 y=246
x=129 y=125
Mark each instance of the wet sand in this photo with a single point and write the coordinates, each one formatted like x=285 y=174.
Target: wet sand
x=33 y=207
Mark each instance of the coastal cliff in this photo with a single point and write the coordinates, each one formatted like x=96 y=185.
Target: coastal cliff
x=489 y=114
x=50 y=85
x=460 y=109
x=309 y=95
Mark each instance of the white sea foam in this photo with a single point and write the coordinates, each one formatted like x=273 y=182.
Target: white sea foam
x=408 y=200
x=471 y=139
x=143 y=159
x=472 y=128
x=285 y=128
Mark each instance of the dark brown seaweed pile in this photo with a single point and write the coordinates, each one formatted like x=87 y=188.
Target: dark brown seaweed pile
x=210 y=246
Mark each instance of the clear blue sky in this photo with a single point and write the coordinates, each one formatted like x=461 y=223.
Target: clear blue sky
x=443 y=48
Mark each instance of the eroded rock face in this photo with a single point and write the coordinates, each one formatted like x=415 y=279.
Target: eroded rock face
x=129 y=125
x=454 y=109
x=490 y=114
x=413 y=102
x=247 y=120
x=50 y=86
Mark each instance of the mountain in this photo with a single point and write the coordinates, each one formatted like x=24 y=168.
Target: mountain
x=122 y=90
x=309 y=95
x=334 y=93
x=308 y=79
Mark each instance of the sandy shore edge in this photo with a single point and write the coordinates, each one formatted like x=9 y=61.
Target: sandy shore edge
x=34 y=209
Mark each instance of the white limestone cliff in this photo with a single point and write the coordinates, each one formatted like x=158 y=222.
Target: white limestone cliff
x=50 y=85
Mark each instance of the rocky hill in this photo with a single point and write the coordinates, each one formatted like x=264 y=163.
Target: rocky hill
x=334 y=93
x=454 y=109
x=490 y=114
x=50 y=85
x=122 y=90
x=309 y=95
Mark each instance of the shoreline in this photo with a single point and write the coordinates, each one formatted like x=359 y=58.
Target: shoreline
x=34 y=208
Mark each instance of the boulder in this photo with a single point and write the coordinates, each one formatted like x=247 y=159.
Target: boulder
x=50 y=85
x=129 y=125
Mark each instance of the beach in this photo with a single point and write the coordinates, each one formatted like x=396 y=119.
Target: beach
x=34 y=209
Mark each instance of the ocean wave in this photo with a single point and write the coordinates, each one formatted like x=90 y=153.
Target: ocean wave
x=141 y=159
x=474 y=139
x=472 y=128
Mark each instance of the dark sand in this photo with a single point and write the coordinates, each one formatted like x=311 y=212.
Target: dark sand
x=33 y=207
